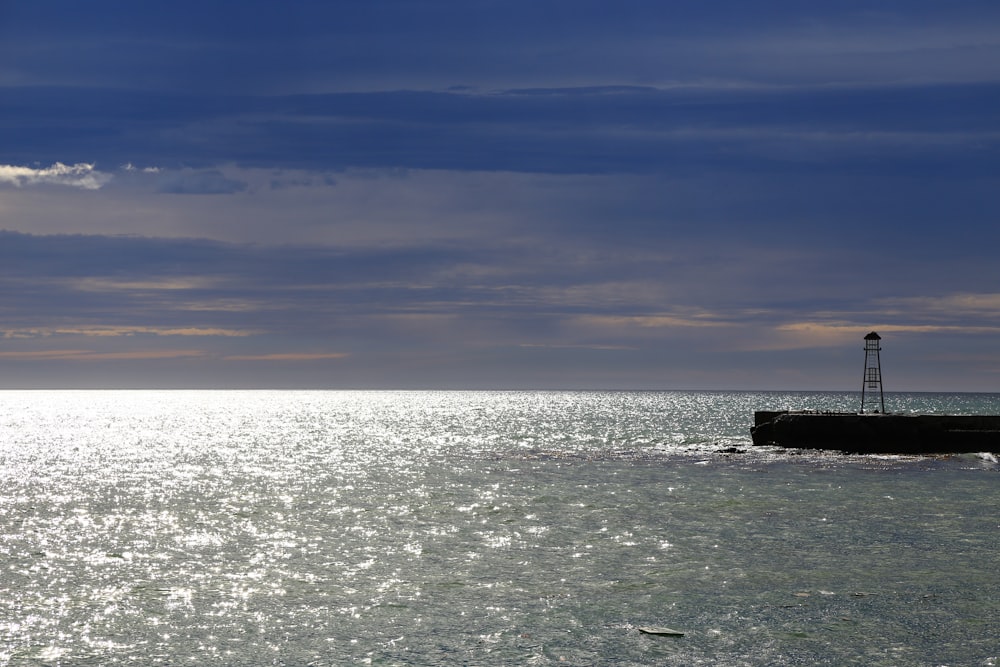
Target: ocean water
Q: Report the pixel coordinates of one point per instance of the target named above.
(482, 528)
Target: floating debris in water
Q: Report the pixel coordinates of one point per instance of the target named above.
(654, 630)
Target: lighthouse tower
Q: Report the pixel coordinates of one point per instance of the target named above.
(873, 371)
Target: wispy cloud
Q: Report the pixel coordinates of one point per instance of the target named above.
(199, 182)
(91, 355)
(953, 305)
(288, 356)
(654, 321)
(836, 334)
(578, 347)
(168, 284)
(114, 331)
(80, 175)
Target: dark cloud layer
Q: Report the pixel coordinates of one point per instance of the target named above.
(593, 130)
(263, 46)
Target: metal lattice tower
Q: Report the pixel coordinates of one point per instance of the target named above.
(873, 369)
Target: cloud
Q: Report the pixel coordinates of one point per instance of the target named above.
(312, 46)
(821, 334)
(557, 129)
(80, 175)
(91, 355)
(950, 306)
(281, 181)
(557, 346)
(288, 356)
(654, 321)
(115, 331)
(199, 182)
(128, 166)
(173, 283)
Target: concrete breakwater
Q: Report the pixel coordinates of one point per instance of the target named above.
(877, 433)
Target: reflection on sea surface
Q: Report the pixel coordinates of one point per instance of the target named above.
(478, 528)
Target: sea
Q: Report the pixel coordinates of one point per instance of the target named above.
(483, 528)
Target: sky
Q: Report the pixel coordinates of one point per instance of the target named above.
(528, 194)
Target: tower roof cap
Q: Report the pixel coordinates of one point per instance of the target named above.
(873, 336)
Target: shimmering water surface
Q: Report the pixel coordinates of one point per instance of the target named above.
(481, 528)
